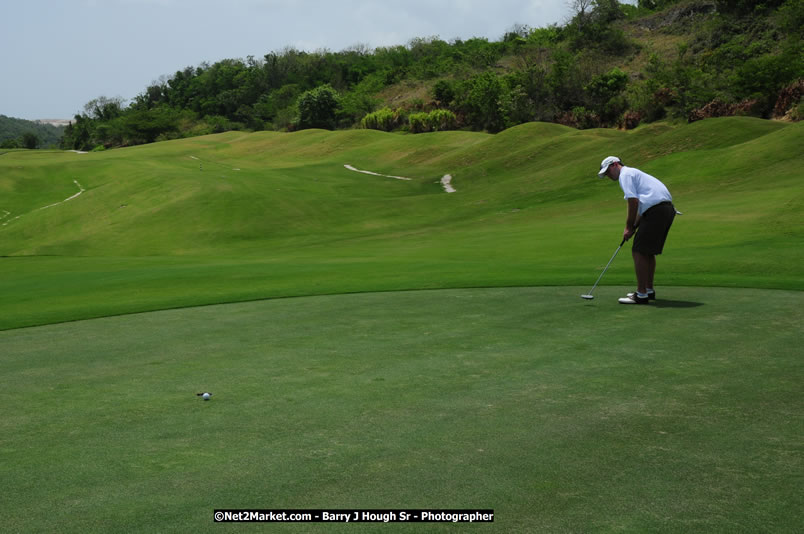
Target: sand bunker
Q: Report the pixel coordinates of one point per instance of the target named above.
(446, 183)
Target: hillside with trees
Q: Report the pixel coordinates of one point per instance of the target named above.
(610, 65)
(20, 133)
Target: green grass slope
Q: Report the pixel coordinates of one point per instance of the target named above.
(240, 216)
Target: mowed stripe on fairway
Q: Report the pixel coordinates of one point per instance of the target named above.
(560, 414)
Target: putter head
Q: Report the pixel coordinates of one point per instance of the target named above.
(587, 297)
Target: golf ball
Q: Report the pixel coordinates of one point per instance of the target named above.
(205, 396)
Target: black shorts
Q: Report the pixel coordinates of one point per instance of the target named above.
(653, 228)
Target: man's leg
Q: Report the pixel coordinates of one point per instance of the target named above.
(643, 265)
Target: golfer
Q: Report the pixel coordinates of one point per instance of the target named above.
(650, 208)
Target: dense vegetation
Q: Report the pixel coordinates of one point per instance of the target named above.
(611, 65)
(19, 133)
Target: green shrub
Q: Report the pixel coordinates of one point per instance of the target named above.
(437, 120)
(585, 118)
(385, 120)
(440, 120)
(419, 122)
(218, 123)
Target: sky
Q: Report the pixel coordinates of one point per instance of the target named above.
(57, 55)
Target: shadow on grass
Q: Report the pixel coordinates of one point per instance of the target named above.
(676, 304)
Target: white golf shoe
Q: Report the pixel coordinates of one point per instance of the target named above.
(633, 298)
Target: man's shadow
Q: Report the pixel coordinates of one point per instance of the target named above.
(662, 303)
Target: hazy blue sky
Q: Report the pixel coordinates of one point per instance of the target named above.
(56, 55)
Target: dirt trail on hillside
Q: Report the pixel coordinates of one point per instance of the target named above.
(8, 213)
(445, 180)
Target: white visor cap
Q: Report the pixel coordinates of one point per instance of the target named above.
(604, 166)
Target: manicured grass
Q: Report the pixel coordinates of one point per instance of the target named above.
(238, 217)
(560, 414)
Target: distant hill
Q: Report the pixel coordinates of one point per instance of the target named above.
(12, 130)
(55, 122)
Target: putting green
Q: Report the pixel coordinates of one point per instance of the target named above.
(563, 415)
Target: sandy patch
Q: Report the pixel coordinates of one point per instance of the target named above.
(446, 183)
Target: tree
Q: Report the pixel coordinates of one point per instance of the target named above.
(605, 91)
(145, 126)
(78, 135)
(30, 140)
(582, 10)
(443, 92)
(483, 100)
(318, 108)
(598, 28)
(531, 95)
(581, 7)
(104, 108)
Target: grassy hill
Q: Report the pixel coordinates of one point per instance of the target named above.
(238, 216)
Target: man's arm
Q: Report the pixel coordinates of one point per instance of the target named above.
(632, 220)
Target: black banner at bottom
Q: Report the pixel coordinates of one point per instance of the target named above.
(354, 516)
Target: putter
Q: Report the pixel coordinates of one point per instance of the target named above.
(590, 296)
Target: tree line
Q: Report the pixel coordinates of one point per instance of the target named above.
(736, 57)
(20, 133)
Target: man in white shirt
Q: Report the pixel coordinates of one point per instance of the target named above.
(650, 208)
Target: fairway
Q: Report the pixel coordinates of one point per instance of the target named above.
(551, 410)
(238, 217)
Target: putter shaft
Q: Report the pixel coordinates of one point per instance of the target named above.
(605, 268)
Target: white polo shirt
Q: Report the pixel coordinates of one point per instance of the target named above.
(644, 187)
